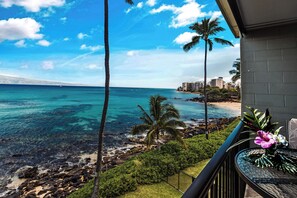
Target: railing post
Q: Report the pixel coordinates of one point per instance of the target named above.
(219, 178)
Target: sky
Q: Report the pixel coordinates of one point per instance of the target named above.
(62, 40)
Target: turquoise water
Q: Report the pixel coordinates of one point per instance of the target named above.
(40, 123)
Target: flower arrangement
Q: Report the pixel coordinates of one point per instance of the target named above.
(263, 133)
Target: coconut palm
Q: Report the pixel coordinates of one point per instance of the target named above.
(95, 192)
(205, 31)
(162, 118)
(236, 71)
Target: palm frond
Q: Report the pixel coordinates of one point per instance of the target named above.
(235, 78)
(205, 25)
(169, 107)
(197, 28)
(145, 120)
(233, 71)
(149, 139)
(174, 123)
(141, 128)
(223, 41)
(169, 115)
(215, 30)
(156, 106)
(176, 134)
(210, 44)
(145, 115)
(212, 24)
(190, 45)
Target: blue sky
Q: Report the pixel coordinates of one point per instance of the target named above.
(62, 40)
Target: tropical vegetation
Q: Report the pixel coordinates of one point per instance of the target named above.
(163, 118)
(152, 166)
(215, 94)
(106, 100)
(236, 71)
(205, 31)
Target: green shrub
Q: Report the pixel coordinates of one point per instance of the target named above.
(152, 166)
(148, 175)
(117, 186)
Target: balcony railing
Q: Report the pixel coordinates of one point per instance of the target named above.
(219, 178)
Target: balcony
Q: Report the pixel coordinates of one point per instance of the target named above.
(219, 178)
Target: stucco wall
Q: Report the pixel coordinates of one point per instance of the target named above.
(269, 72)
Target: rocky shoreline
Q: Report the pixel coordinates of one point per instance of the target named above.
(71, 173)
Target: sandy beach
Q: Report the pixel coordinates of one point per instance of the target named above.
(234, 106)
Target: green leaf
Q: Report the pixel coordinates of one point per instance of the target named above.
(277, 130)
(238, 143)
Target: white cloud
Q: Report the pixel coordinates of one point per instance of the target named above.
(17, 29)
(151, 3)
(183, 66)
(63, 19)
(82, 36)
(132, 53)
(47, 65)
(91, 48)
(66, 39)
(128, 10)
(214, 15)
(184, 15)
(32, 5)
(93, 67)
(184, 38)
(138, 6)
(43, 43)
(50, 11)
(20, 43)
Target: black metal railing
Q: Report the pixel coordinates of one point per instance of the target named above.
(219, 178)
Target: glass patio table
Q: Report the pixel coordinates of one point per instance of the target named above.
(268, 182)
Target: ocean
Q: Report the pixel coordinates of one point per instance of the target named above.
(45, 124)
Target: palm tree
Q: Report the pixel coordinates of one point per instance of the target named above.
(235, 72)
(205, 30)
(162, 118)
(95, 193)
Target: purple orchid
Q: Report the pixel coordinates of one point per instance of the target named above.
(264, 139)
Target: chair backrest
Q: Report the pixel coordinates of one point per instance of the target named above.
(292, 128)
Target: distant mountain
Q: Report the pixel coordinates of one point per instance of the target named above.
(18, 80)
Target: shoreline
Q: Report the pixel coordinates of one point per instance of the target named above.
(234, 106)
(73, 174)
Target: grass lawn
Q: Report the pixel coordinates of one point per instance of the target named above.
(154, 191)
(164, 190)
(195, 170)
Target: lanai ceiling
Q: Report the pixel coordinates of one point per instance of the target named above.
(246, 15)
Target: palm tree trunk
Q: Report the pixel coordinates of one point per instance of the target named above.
(95, 193)
(204, 92)
(158, 143)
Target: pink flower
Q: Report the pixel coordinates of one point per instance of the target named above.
(264, 139)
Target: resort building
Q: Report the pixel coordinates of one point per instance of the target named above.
(198, 85)
(191, 86)
(229, 85)
(219, 82)
(186, 86)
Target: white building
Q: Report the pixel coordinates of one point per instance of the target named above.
(198, 85)
(219, 82)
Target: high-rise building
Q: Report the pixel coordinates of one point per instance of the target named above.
(198, 85)
(186, 86)
(219, 82)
